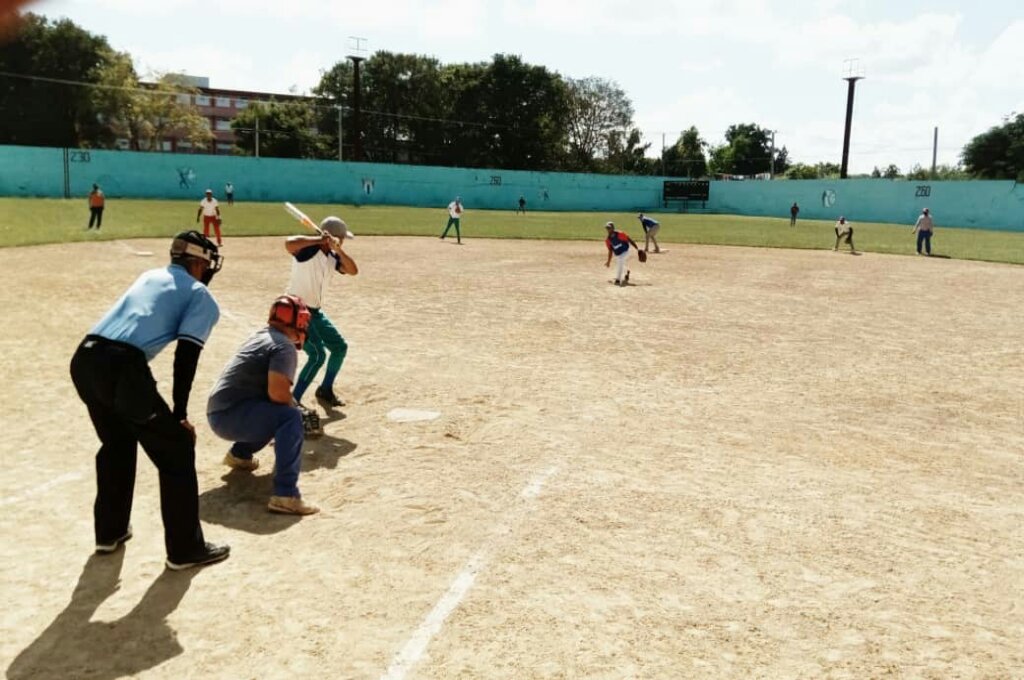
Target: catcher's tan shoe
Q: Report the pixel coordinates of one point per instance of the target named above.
(234, 462)
(291, 505)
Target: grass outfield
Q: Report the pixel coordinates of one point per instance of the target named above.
(33, 221)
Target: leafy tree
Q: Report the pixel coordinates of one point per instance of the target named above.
(891, 172)
(517, 113)
(146, 115)
(45, 112)
(287, 129)
(686, 157)
(747, 151)
(802, 171)
(999, 152)
(876, 173)
(597, 108)
(627, 155)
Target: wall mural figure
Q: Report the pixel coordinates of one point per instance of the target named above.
(186, 178)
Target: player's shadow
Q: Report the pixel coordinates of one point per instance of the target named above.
(75, 646)
(241, 503)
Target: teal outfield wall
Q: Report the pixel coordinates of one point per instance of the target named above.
(32, 171)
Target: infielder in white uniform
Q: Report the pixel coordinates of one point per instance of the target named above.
(313, 258)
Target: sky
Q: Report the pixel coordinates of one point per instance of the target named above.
(951, 64)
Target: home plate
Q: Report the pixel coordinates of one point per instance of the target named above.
(411, 415)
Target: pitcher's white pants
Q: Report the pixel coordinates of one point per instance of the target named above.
(620, 266)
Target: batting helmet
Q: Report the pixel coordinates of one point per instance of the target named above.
(335, 226)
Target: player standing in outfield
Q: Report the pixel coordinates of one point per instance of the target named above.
(454, 218)
(618, 243)
(522, 204)
(96, 203)
(794, 210)
(229, 193)
(924, 228)
(313, 258)
(252, 403)
(843, 229)
(209, 209)
(651, 229)
(111, 373)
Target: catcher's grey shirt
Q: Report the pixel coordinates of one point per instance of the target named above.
(245, 376)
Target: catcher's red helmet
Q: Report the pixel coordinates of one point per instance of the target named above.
(292, 312)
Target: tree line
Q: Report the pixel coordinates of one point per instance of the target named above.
(63, 86)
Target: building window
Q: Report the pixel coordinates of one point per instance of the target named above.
(184, 99)
(165, 145)
(184, 145)
(222, 124)
(224, 148)
(241, 103)
(202, 100)
(223, 102)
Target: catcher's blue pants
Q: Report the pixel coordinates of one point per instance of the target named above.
(251, 424)
(323, 343)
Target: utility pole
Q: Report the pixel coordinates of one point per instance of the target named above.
(257, 135)
(341, 136)
(357, 100)
(935, 150)
(771, 157)
(853, 74)
(662, 154)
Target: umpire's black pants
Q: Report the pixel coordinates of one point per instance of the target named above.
(114, 381)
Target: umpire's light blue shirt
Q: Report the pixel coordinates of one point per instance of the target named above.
(162, 305)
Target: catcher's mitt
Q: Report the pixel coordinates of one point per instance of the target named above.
(642, 254)
(311, 423)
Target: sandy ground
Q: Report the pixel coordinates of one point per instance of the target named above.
(750, 464)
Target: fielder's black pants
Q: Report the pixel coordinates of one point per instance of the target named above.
(114, 381)
(96, 215)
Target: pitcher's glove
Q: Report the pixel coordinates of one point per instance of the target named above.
(310, 423)
(642, 254)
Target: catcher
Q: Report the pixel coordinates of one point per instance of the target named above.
(252, 402)
(844, 230)
(618, 243)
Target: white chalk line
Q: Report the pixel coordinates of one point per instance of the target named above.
(46, 486)
(410, 654)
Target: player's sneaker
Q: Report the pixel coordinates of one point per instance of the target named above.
(112, 546)
(626, 280)
(236, 463)
(328, 398)
(291, 505)
(311, 427)
(210, 554)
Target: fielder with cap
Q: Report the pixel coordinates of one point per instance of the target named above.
(210, 211)
(313, 258)
(924, 228)
(651, 229)
(454, 219)
(844, 231)
(252, 403)
(111, 373)
(618, 243)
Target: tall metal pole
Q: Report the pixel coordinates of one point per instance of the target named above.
(341, 136)
(771, 156)
(257, 135)
(935, 150)
(662, 154)
(852, 80)
(357, 105)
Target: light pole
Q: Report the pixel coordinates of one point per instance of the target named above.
(853, 74)
(771, 157)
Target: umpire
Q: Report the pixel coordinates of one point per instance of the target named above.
(111, 373)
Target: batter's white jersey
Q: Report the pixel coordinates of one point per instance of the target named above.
(310, 268)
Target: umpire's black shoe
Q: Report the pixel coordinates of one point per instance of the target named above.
(112, 546)
(211, 554)
(328, 398)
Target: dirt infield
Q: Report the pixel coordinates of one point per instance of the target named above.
(752, 463)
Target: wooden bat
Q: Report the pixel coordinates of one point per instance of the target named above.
(301, 217)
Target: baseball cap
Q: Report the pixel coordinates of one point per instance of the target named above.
(609, 225)
(335, 226)
(209, 191)
(926, 211)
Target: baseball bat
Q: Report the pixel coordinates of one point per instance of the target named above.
(301, 217)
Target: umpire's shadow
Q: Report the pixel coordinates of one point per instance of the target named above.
(241, 503)
(75, 646)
